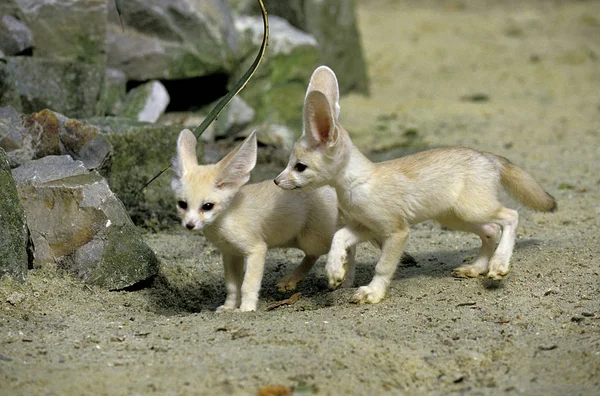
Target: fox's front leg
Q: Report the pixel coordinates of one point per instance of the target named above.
(234, 270)
(391, 253)
(337, 259)
(255, 265)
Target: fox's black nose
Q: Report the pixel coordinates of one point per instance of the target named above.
(189, 226)
(275, 181)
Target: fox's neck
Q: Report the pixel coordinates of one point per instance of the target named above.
(355, 170)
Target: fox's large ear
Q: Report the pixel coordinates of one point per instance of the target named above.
(319, 121)
(235, 168)
(186, 153)
(323, 79)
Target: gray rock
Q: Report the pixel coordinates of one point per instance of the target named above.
(9, 95)
(141, 151)
(279, 136)
(279, 84)
(70, 30)
(146, 102)
(68, 87)
(171, 39)
(15, 298)
(52, 167)
(78, 224)
(235, 116)
(13, 230)
(11, 7)
(50, 133)
(14, 137)
(15, 36)
(333, 24)
(113, 95)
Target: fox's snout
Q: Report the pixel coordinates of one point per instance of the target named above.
(192, 223)
(284, 181)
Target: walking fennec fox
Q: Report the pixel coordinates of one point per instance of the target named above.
(456, 186)
(243, 221)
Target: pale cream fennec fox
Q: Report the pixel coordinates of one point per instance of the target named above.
(243, 221)
(456, 186)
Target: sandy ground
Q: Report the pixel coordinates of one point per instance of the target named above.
(521, 79)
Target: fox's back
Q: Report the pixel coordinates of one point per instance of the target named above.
(429, 183)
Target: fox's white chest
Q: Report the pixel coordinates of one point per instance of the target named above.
(356, 205)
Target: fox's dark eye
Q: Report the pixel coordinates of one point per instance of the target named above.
(182, 205)
(300, 167)
(207, 206)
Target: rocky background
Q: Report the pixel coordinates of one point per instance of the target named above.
(90, 110)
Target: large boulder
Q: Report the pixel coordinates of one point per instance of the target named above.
(278, 87)
(33, 84)
(13, 230)
(15, 36)
(114, 92)
(71, 30)
(141, 150)
(333, 24)
(68, 43)
(50, 133)
(78, 224)
(15, 138)
(171, 39)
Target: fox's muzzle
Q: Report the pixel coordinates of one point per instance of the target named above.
(283, 182)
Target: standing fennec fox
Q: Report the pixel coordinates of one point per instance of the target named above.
(456, 186)
(243, 221)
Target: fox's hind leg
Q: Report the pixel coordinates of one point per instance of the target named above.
(479, 266)
(289, 282)
(499, 266)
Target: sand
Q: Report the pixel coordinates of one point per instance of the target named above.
(521, 79)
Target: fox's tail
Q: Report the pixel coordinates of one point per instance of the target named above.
(523, 187)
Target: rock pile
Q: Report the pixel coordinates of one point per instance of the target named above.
(85, 117)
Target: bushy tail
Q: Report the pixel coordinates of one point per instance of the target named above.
(523, 187)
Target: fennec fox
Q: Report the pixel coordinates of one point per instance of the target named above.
(456, 186)
(242, 221)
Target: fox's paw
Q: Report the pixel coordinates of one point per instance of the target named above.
(287, 284)
(368, 295)
(225, 308)
(335, 275)
(247, 307)
(336, 269)
(498, 274)
(498, 270)
(468, 271)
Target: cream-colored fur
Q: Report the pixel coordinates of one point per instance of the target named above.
(243, 221)
(456, 186)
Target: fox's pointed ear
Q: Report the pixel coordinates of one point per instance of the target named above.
(323, 79)
(319, 121)
(186, 153)
(235, 168)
